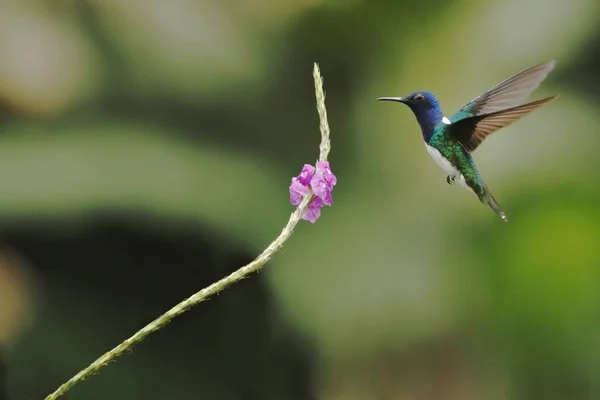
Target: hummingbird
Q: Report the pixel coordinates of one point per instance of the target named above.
(451, 141)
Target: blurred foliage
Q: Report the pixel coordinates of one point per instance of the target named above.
(146, 149)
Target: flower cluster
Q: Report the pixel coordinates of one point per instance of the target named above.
(321, 180)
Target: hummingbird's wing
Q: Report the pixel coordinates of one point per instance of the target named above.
(512, 92)
(471, 132)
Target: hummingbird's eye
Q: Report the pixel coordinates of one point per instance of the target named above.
(419, 97)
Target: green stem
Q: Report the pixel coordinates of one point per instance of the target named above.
(224, 283)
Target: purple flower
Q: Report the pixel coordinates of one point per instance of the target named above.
(314, 211)
(306, 174)
(329, 177)
(297, 191)
(321, 180)
(321, 188)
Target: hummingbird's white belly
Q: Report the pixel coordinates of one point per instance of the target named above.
(446, 166)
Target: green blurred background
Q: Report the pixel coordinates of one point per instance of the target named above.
(146, 147)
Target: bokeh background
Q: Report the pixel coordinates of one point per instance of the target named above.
(146, 148)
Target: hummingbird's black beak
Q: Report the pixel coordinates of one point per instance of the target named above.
(398, 99)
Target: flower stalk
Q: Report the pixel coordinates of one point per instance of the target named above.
(243, 272)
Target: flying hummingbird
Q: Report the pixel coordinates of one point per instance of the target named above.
(450, 141)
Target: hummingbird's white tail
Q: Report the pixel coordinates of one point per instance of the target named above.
(491, 201)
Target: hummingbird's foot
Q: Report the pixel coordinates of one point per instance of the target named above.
(450, 179)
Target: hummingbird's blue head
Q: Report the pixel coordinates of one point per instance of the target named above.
(426, 108)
